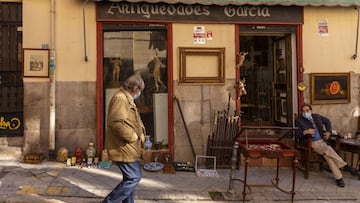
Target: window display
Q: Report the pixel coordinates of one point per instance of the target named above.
(142, 49)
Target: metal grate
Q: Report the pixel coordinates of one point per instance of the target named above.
(11, 83)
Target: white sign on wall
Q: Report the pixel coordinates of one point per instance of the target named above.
(323, 27)
(199, 34)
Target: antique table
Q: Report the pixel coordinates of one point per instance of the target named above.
(349, 145)
(272, 149)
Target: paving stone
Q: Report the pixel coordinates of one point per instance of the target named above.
(54, 182)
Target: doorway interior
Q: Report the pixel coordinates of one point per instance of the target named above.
(269, 70)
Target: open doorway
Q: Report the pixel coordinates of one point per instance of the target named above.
(268, 69)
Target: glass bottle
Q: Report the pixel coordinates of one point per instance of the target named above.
(91, 151)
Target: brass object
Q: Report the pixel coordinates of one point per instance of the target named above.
(62, 155)
(301, 86)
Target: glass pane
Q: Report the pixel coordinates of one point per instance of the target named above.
(257, 69)
(130, 49)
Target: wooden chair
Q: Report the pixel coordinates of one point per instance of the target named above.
(307, 156)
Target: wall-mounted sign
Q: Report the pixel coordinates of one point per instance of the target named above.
(126, 11)
(209, 35)
(11, 124)
(323, 28)
(199, 34)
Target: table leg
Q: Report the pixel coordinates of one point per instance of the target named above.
(246, 162)
(295, 162)
(277, 171)
(358, 163)
(337, 144)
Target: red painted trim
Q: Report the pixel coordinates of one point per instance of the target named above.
(170, 55)
(300, 66)
(204, 22)
(99, 90)
(237, 70)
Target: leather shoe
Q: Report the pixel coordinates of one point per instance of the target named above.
(351, 170)
(340, 182)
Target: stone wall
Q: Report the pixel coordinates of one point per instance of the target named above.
(75, 114)
(199, 104)
(36, 117)
(344, 117)
(75, 119)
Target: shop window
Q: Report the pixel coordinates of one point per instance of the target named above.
(142, 49)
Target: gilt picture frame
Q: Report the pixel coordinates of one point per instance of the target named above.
(330, 88)
(201, 65)
(35, 63)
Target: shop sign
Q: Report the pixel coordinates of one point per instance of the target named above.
(11, 124)
(200, 13)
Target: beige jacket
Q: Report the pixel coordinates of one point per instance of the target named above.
(125, 133)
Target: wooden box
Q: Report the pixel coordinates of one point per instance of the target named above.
(33, 158)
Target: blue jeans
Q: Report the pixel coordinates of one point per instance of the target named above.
(124, 191)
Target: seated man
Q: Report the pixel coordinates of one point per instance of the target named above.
(320, 128)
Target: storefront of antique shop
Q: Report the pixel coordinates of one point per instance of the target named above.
(64, 59)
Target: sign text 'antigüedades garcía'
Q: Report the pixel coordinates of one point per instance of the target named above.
(184, 12)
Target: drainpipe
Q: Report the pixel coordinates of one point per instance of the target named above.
(52, 63)
(357, 34)
(84, 30)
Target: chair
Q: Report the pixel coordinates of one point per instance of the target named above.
(307, 156)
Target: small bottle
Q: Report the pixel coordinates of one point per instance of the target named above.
(104, 155)
(90, 153)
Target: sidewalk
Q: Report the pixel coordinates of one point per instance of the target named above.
(54, 182)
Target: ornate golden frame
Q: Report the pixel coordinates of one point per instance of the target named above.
(201, 65)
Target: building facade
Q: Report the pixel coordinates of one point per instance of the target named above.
(192, 56)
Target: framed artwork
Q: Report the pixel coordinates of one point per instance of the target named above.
(201, 65)
(330, 88)
(36, 63)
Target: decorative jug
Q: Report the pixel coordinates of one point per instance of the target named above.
(147, 143)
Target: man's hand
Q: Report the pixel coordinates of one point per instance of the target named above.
(327, 135)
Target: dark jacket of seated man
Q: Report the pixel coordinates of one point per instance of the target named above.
(319, 127)
(322, 123)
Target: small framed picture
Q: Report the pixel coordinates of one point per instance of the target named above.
(36, 63)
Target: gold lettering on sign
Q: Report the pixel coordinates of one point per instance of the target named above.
(244, 11)
(12, 124)
(149, 10)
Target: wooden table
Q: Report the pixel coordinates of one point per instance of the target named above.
(272, 149)
(349, 145)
